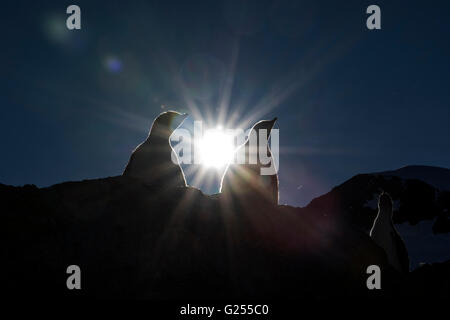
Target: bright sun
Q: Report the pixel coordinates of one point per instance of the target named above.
(216, 148)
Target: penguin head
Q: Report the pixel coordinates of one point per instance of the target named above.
(266, 125)
(385, 202)
(164, 125)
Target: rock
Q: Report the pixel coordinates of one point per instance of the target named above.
(132, 241)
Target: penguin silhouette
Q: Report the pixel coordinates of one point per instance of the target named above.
(151, 161)
(385, 235)
(245, 181)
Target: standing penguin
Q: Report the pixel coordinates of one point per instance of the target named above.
(385, 235)
(151, 161)
(246, 181)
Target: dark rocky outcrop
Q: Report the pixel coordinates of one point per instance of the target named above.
(415, 199)
(132, 241)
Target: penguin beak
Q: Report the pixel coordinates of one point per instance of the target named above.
(180, 118)
(270, 125)
(183, 116)
(273, 122)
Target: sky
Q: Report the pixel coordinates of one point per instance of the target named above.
(75, 103)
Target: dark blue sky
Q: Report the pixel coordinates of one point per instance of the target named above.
(73, 104)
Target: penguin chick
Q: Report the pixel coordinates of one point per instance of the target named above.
(384, 234)
(246, 180)
(151, 161)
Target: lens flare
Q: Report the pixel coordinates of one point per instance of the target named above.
(113, 64)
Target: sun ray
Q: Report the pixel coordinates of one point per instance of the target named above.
(225, 99)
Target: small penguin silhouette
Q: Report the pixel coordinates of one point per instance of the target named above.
(385, 235)
(245, 181)
(151, 161)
